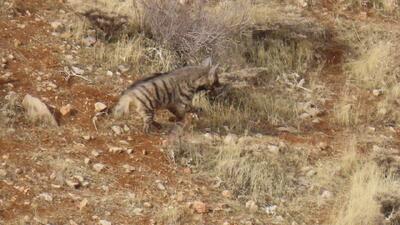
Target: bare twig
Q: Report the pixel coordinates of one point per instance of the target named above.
(70, 74)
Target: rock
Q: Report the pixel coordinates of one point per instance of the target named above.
(99, 107)
(109, 73)
(77, 71)
(57, 26)
(311, 173)
(83, 203)
(11, 57)
(160, 185)
(137, 211)
(87, 137)
(66, 109)
(252, 206)
(115, 149)
(231, 139)
(199, 207)
(271, 210)
(46, 196)
(227, 194)
(377, 92)
(187, 170)
(273, 149)
(104, 222)
(73, 183)
(323, 145)
(98, 167)
(86, 161)
(36, 111)
(304, 116)
(126, 128)
(147, 205)
(128, 168)
(123, 68)
(117, 129)
(326, 194)
(371, 129)
(3, 173)
(89, 41)
(95, 153)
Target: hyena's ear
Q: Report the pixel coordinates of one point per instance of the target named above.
(207, 62)
(212, 74)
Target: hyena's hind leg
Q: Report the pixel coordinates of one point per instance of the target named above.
(179, 112)
(148, 119)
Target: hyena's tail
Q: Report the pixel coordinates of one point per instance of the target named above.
(122, 107)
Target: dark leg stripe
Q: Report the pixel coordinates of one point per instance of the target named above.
(157, 91)
(148, 95)
(143, 103)
(148, 99)
(182, 93)
(167, 91)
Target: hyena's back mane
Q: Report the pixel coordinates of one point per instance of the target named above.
(146, 79)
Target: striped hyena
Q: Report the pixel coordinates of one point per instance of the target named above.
(173, 91)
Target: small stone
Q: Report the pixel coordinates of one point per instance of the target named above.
(377, 92)
(87, 137)
(199, 207)
(109, 73)
(123, 68)
(104, 222)
(77, 70)
(98, 167)
(83, 203)
(326, 194)
(273, 149)
(129, 151)
(87, 161)
(46, 196)
(323, 145)
(71, 222)
(271, 210)
(144, 152)
(115, 149)
(117, 129)
(18, 171)
(73, 183)
(11, 57)
(311, 173)
(304, 116)
(95, 153)
(147, 205)
(3, 173)
(66, 109)
(89, 41)
(57, 26)
(187, 170)
(252, 206)
(160, 185)
(363, 15)
(126, 128)
(137, 211)
(128, 168)
(99, 106)
(371, 129)
(227, 194)
(231, 139)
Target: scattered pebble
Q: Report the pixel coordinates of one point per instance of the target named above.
(66, 109)
(98, 167)
(104, 222)
(117, 129)
(138, 211)
(115, 149)
(77, 71)
(147, 205)
(83, 203)
(73, 183)
(95, 153)
(46, 196)
(199, 207)
(377, 92)
(273, 149)
(128, 168)
(160, 185)
(86, 161)
(326, 194)
(109, 73)
(99, 106)
(3, 173)
(252, 206)
(271, 210)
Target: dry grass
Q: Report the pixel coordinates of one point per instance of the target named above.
(241, 110)
(387, 6)
(361, 206)
(174, 215)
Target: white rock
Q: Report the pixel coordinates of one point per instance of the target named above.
(77, 71)
(147, 205)
(99, 106)
(109, 73)
(117, 129)
(231, 139)
(86, 160)
(326, 194)
(66, 109)
(89, 41)
(252, 206)
(104, 222)
(123, 68)
(273, 149)
(311, 173)
(72, 183)
(57, 26)
(160, 185)
(126, 128)
(128, 168)
(46, 196)
(98, 167)
(115, 149)
(377, 92)
(95, 153)
(137, 211)
(271, 210)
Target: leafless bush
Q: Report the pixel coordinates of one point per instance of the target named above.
(192, 31)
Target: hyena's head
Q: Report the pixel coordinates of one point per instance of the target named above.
(209, 80)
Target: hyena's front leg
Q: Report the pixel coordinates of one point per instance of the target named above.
(148, 119)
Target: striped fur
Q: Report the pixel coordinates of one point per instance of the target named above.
(173, 91)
